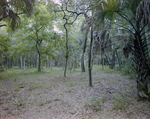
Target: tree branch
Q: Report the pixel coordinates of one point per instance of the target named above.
(3, 25)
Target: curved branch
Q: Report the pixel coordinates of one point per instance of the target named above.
(3, 25)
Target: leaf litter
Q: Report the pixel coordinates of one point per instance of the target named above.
(112, 96)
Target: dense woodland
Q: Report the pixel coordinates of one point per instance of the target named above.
(77, 34)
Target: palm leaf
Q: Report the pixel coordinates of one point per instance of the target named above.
(6, 12)
(106, 9)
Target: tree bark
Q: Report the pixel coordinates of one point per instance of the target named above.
(51, 64)
(141, 59)
(84, 48)
(21, 63)
(25, 62)
(90, 55)
(39, 63)
(66, 57)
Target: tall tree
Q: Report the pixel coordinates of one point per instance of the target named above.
(71, 10)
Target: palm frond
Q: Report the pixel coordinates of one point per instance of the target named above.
(143, 12)
(9, 14)
(105, 9)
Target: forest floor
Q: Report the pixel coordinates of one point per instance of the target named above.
(48, 95)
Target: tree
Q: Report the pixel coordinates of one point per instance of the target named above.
(34, 36)
(71, 10)
(85, 26)
(136, 14)
(40, 26)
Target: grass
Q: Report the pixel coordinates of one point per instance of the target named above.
(71, 83)
(71, 95)
(21, 101)
(118, 103)
(16, 88)
(40, 102)
(94, 103)
(16, 71)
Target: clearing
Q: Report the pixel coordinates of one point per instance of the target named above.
(48, 95)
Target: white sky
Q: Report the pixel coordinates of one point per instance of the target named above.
(57, 1)
(56, 29)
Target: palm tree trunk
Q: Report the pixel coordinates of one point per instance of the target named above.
(141, 67)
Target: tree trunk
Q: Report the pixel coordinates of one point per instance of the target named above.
(51, 64)
(90, 55)
(7, 62)
(142, 69)
(113, 60)
(84, 48)
(82, 63)
(39, 63)
(42, 65)
(119, 62)
(141, 59)
(21, 63)
(102, 63)
(108, 60)
(66, 50)
(25, 62)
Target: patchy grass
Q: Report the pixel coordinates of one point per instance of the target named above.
(118, 103)
(16, 88)
(71, 83)
(47, 94)
(94, 103)
(20, 101)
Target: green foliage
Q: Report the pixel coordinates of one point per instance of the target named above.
(127, 69)
(105, 9)
(4, 43)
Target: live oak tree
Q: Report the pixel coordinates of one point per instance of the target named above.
(10, 12)
(70, 10)
(40, 28)
(35, 33)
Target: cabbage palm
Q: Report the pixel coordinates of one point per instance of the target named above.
(136, 13)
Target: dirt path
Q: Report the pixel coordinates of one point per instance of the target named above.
(50, 96)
